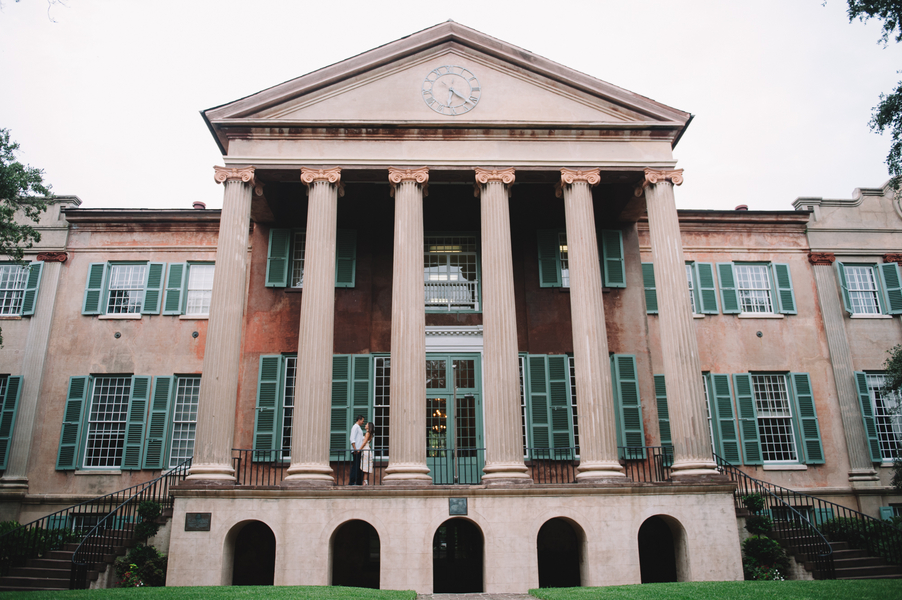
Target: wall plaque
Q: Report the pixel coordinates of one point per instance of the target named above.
(457, 506)
(197, 521)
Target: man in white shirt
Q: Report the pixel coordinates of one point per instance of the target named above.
(356, 443)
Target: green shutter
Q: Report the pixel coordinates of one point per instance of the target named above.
(155, 452)
(267, 440)
(663, 412)
(807, 413)
(748, 418)
(728, 445)
(549, 257)
(892, 287)
(32, 284)
(345, 258)
(9, 405)
(134, 426)
(560, 415)
(843, 286)
(867, 415)
(627, 403)
(540, 430)
(612, 255)
(70, 434)
(886, 513)
(175, 288)
(340, 419)
(278, 257)
(707, 288)
(93, 300)
(785, 296)
(729, 298)
(153, 288)
(361, 391)
(651, 294)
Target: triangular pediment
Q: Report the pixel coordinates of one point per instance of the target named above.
(391, 85)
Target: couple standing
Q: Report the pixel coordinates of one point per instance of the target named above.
(361, 454)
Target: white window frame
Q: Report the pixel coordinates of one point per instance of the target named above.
(289, 389)
(298, 255)
(887, 420)
(564, 258)
(13, 279)
(750, 295)
(199, 289)
(450, 291)
(382, 404)
(128, 286)
(105, 425)
(184, 420)
(690, 277)
(860, 296)
(770, 390)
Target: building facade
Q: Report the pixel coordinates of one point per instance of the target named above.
(478, 251)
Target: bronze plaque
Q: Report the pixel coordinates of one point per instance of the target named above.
(197, 521)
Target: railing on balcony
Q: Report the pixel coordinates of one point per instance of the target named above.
(452, 295)
(460, 466)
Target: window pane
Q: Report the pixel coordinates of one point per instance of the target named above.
(12, 288)
(106, 421)
(862, 290)
(126, 289)
(381, 406)
(774, 418)
(450, 272)
(297, 260)
(200, 289)
(184, 420)
(753, 286)
(691, 294)
(291, 371)
(573, 404)
(565, 260)
(886, 417)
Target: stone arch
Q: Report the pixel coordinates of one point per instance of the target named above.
(458, 557)
(663, 554)
(249, 554)
(355, 555)
(560, 552)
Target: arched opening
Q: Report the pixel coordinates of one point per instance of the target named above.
(662, 550)
(254, 555)
(355, 555)
(558, 547)
(457, 550)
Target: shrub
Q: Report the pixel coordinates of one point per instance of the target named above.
(149, 513)
(754, 502)
(764, 559)
(756, 572)
(758, 524)
(142, 566)
(873, 536)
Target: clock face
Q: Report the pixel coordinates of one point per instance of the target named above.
(451, 90)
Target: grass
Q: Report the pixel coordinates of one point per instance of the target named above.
(217, 593)
(884, 589)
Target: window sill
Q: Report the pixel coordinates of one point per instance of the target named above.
(194, 317)
(10, 317)
(864, 316)
(760, 316)
(697, 316)
(886, 465)
(785, 467)
(97, 472)
(127, 316)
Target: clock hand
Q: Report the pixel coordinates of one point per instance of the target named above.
(455, 92)
(450, 95)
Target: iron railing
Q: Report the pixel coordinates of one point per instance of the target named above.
(115, 520)
(798, 519)
(452, 294)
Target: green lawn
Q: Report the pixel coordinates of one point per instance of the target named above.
(886, 589)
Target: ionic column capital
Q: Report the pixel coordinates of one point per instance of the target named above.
(331, 176)
(592, 177)
(486, 176)
(896, 258)
(223, 174)
(821, 258)
(52, 257)
(419, 176)
(653, 176)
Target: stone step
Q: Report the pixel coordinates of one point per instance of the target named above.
(38, 572)
(50, 563)
(36, 582)
(868, 572)
(898, 576)
(864, 561)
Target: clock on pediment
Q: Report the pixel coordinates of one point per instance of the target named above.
(451, 90)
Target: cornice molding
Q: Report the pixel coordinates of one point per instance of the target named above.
(223, 174)
(655, 176)
(419, 176)
(821, 258)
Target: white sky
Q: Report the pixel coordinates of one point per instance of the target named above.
(106, 98)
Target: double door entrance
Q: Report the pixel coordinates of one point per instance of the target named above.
(455, 446)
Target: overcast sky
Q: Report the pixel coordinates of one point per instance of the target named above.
(105, 96)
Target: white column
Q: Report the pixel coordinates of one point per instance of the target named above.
(501, 381)
(313, 398)
(679, 344)
(407, 446)
(15, 477)
(594, 395)
(222, 353)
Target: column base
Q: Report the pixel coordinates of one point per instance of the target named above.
(409, 474)
(601, 472)
(309, 475)
(694, 467)
(506, 474)
(211, 472)
(855, 476)
(13, 484)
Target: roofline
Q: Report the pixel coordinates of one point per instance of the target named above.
(141, 215)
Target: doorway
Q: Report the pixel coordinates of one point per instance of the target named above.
(455, 449)
(355, 555)
(457, 549)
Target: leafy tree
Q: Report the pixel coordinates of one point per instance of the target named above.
(887, 115)
(22, 193)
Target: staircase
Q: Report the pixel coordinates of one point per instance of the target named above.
(70, 548)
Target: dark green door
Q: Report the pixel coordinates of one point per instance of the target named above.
(455, 451)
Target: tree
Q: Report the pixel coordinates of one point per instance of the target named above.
(887, 115)
(23, 194)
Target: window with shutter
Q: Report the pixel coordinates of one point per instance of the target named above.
(10, 391)
(631, 432)
(287, 253)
